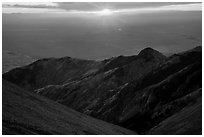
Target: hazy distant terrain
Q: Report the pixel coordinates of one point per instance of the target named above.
(95, 37)
(11, 60)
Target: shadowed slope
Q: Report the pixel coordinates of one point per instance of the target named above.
(51, 71)
(186, 122)
(58, 71)
(160, 94)
(28, 113)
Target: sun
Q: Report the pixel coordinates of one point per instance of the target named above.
(105, 12)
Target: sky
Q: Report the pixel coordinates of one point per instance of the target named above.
(100, 30)
(90, 7)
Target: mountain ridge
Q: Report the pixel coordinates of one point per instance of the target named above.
(130, 91)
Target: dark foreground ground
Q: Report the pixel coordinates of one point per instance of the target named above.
(28, 113)
(188, 121)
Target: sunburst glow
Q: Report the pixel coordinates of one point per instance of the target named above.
(105, 12)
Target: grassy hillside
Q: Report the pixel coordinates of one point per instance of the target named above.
(28, 113)
(188, 121)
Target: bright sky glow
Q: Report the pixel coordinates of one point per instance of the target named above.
(49, 7)
(185, 7)
(105, 12)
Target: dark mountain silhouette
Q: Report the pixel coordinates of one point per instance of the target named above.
(137, 92)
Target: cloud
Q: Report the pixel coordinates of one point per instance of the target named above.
(183, 7)
(29, 5)
(93, 7)
(33, 10)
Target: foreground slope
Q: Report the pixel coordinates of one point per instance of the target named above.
(28, 113)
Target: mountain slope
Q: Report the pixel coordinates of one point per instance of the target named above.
(84, 85)
(28, 113)
(50, 71)
(137, 92)
(160, 94)
(186, 122)
(53, 71)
